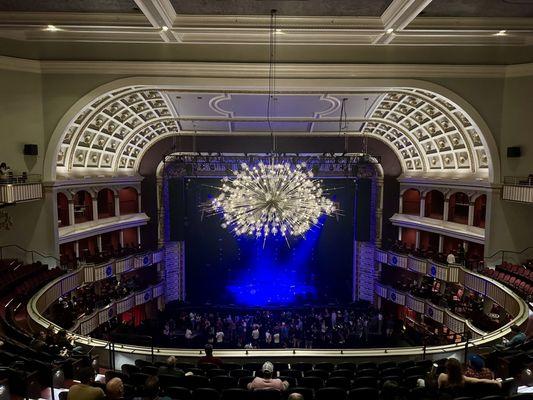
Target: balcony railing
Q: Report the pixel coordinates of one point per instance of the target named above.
(518, 188)
(14, 189)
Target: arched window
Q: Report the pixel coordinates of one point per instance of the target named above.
(434, 204)
(411, 202)
(62, 210)
(83, 207)
(458, 208)
(106, 203)
(480, 209)
(129, 202)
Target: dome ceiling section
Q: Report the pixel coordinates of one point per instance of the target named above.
(427, 131)
(447, 136)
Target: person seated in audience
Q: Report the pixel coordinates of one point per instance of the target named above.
(454, 378)
(295, 396)
(170, 367)
(84, 390)
(152, 389)
(267, 381)
(518, 338)
(475, 368)
(114, 389)
(209, 358)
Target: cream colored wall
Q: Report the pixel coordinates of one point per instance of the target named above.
(39, 102)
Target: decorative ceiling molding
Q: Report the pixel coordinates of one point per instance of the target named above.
(428, 132)
(399, 25)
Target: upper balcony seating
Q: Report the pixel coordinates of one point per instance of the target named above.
(518, 277)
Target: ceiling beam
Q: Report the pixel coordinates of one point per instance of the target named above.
(397, 16)
(161, 15)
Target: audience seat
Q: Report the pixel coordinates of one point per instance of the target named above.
(205, 393)
(266, 395)
(339, 382)
(235, 394)
(322, 374)
(365, 393)
(222, 382)
(365, 381)
(331, 393)
(216, 372)
(302, 366)
(178, 393)
(195, 381)
(245, 380)
(345, 373)
(325, 366)
(239, 373)
(313, 382)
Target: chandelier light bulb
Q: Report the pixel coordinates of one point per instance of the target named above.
(271, 199)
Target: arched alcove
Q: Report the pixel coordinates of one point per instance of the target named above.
(106, 203)
(83, 207)
(434, 204)
(411, 202)
(480, 210)
(458, 205)
(63, 218)
(129, 201)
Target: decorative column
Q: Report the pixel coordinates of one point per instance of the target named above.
(471, 206)
(121, 238)
(417, 239)
(400, 205)
(446, 210)
(77, 249)
(422, 205)
(99, 242)
(441, 243)
(95, 208)
(139, 235)
(139, 208)
(71, 216)
(379, 209)
(116, 198)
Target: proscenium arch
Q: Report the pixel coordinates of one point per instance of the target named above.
(286, 85)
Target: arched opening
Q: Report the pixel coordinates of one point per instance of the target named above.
(411, 202)
(83, 207)
(106, 203)
(88, 248)
(67, 254)
(480, 207)
(129, 201)
(62, 210)
(429, 243)
(458, 208)
(409, 238)
(130, 238)
(434, 204)
(110, 242)
(452, 245)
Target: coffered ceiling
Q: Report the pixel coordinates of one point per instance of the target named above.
(300, 22)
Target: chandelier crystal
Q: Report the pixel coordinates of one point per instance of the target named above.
(271, 199)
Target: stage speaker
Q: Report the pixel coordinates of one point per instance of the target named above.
(178, 207)
(513, 152)
(31, 150)
(363, 197)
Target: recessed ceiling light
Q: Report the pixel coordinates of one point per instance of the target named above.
(501, 33)
(51, 28)
(279, 32)
(164, 28)
(390, 30)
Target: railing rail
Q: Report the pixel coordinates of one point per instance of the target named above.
(518, 180)
(28, 256)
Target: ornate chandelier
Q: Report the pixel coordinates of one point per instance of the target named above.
(272, 199)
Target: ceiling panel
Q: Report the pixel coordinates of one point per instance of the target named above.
(479, 8)
(285, 7)
(114, 6)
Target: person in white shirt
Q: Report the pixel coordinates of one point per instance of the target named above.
(268, 338)
(451, 258)
(219, 336)
(267, 382)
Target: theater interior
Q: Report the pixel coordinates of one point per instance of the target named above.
(252, 199)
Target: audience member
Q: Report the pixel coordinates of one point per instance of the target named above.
(114, 389)
(475, 368)
(209, 358)
(267, 381)
(295, 396)
(152, 389)
(84, 390)
(454, 378)
(170, 367)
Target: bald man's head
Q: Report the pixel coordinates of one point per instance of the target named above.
(295, 396)
(115, 389)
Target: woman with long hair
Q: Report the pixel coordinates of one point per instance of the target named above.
(454, 377)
